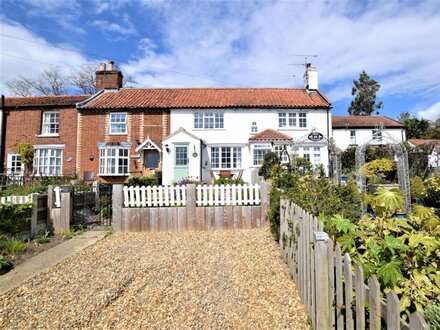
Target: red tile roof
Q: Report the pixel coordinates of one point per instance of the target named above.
(418, 142)
(364, 121)
(270, 135)
(129, 98)
(32, 101)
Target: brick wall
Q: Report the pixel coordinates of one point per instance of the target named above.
(24, 126)
(94, 129)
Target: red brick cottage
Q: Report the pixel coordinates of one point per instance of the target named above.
(49, 123)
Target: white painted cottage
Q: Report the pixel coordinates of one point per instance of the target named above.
(227, 131)
(356, 130)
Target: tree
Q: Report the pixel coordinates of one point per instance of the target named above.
(84, 79)
(415, 128)
(365, 90)
(54, 81)
(434, 129)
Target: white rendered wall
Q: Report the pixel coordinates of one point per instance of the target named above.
(237, 131)
(343, 141)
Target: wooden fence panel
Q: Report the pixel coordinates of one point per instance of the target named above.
(374, 302)
(340, 307)
(305, 262)
(360, 296)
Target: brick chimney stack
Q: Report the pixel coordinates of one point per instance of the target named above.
(108, 79)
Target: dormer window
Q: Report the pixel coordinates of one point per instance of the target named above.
(118, 123)
(50, 123)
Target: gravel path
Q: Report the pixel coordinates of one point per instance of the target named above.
(229, 279)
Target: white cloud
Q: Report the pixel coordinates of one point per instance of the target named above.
(110, 28)
(29, 59)
(431, 113)
(251, 44)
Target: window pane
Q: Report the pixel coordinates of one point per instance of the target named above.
(50, 123)
(118, 123)
(282, 121)
(181, 156)
(292, 119)
(302, 119)
(215, 157)
(226, 157)
(219, 120)
(198, 120)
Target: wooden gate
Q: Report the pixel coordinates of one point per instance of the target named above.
(92, 206)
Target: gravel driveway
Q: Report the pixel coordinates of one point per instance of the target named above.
(229, 279)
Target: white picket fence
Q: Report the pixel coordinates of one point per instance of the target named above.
(206, 195)
(16, 199)
(215, 195)
(152, 196)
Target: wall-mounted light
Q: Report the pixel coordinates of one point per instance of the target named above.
(91, 158)
(167, 148)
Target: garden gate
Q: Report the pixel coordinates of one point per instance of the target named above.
(92, 206)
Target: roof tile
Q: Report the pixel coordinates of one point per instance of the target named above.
(270, 135)
(364, 121)
(129, 98)
(32, 101)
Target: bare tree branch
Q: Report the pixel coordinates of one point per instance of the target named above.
(20, 87)
(84, 78)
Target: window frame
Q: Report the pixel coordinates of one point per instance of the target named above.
(226, 155)
(44, 161)
(281, 151)
(204, 120)
(352, 137)
(11, 165)
(46, 124)
(256, 148)
(105, 165)
(292, 120)
(112, 130)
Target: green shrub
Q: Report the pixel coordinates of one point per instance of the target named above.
(432, 316)
(418, 189)
(5, 265)
(69, 233)
(151, 180)
(13, 246)
(384, 166)
(41, 237)
(226, 181)
(433, 189)
(14, 216)
(270, 159)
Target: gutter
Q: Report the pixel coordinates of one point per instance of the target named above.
(2, 134)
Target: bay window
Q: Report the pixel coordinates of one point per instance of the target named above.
(259, 151)
(226, 157)
(47, 160)
(113, 161)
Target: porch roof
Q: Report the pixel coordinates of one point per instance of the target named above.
(270, 135)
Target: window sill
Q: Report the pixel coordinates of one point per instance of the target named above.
(113, 134)
(292, 129)
(114, 174)
(49, 135)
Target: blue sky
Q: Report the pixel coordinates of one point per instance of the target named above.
(162, 43)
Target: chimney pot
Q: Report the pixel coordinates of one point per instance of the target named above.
(110, 65)
(102, 67)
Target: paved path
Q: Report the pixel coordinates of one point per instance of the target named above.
(193, 280)
(48, 258)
